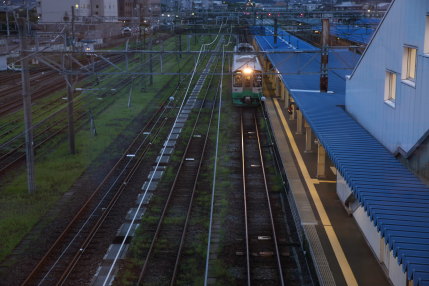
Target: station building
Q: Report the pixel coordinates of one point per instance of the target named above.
(373, 112)
(391, 101)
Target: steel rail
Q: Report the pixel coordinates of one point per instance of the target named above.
(267, 193)
(246, 209)
(151, 177)
(171, 193)
(246, 223)
(182, 239)
(96, 226)
(21, 155)
(86, 204)
(213, 187)
(71, 265)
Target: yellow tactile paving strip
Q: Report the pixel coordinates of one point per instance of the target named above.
(333, 239)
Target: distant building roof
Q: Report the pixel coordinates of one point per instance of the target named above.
(352, 33)
(368, 21)
(301, 70)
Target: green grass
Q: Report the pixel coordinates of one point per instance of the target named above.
(56, 170)
(140, 242)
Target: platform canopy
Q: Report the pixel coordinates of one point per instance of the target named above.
(396, 201)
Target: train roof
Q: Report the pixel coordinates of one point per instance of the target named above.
(242, 61)
(244, 47)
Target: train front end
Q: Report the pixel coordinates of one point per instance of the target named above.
(247, 87)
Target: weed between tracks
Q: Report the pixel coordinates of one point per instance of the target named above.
(190, 272)
(192, 265)
(56, 170)
(273, 174)
(191, 269)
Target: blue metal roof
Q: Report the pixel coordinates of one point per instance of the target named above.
(285, 40)
(353, 33)
(396, 201)
(303, 69)
(368, 21)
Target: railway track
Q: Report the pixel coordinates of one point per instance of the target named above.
(14, 101)
(263, 253)
(13, 151)
(62, 257)
(163, 256)
(57, 124)
(42, 84)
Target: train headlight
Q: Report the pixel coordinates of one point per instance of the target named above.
(248, 70)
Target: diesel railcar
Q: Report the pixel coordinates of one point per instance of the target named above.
(246, 76)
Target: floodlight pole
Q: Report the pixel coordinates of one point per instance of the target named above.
(26, 97)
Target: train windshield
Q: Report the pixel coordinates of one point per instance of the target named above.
(247, 80)
(238, 79)
(257, 80)
(245, 49)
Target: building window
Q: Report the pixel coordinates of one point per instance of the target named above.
(390, 88)
(409, 64)
(426, 48)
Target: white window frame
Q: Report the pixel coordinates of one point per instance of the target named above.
(409, 65)
(390, 88)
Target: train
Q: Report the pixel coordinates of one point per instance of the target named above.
(246, 76)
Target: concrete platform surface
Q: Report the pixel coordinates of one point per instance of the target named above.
(365, 268)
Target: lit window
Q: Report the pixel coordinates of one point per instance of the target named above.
(409, 64)
(427, 36)
(390, 87)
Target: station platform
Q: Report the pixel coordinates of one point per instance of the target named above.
(339, 250)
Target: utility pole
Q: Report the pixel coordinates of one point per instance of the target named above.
(70, 90)
(150, 63)
(180, 44)
(254, 16)
(7, 24)
(26, 97)
(28, 17)
(275, 30)
(324, 55)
